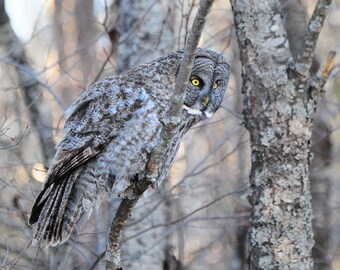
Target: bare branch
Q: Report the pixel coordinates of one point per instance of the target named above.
(188, 57)
(33, 80)
(171, 125)
(15, 141)
(326, 70)
(316, 83)
(186, 217)
(305, 56)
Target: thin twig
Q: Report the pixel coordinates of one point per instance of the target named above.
(15, 141)
(31, 92)
(185, 217)
(316, 83)
(179, 221)
(34, 79)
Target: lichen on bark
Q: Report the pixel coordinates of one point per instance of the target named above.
(279, 104)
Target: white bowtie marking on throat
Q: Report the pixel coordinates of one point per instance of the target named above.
(208, 114)
(192, 111)
(197, 112)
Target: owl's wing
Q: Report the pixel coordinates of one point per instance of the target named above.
(96, 118)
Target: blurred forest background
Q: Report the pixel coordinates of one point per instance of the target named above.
(54, 49)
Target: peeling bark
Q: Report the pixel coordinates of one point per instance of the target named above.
(279, 105)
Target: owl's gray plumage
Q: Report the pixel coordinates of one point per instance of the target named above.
(111, 131)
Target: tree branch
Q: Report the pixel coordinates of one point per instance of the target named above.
(171, 124)
(188, 57)
(305, 56)
(34, 79)
(317, 82)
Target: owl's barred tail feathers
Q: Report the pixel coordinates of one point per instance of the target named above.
(56, 211)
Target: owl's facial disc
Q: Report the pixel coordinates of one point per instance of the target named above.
(198, 96)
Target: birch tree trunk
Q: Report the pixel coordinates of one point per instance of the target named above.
(280, 99)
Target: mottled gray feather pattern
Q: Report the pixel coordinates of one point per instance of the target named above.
(110, 132)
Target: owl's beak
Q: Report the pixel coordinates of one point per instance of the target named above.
(206, 100)
(209, 102)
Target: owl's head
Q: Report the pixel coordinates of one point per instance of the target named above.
(207, 83)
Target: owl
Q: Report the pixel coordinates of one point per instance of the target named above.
(110, 132)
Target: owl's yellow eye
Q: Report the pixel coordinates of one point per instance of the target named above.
(195, 82)
(215, 85)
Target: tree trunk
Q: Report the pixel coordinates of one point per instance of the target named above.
(321, 187)
(295, 25)
(147, 31)
(85, 23)
(279, 104)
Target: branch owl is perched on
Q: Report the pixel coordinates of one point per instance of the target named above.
(110, 132)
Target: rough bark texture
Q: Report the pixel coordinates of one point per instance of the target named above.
(279, 105)
(295, 13)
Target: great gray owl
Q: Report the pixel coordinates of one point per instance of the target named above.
(110, 132)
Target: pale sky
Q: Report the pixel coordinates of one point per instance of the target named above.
(24, 14)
